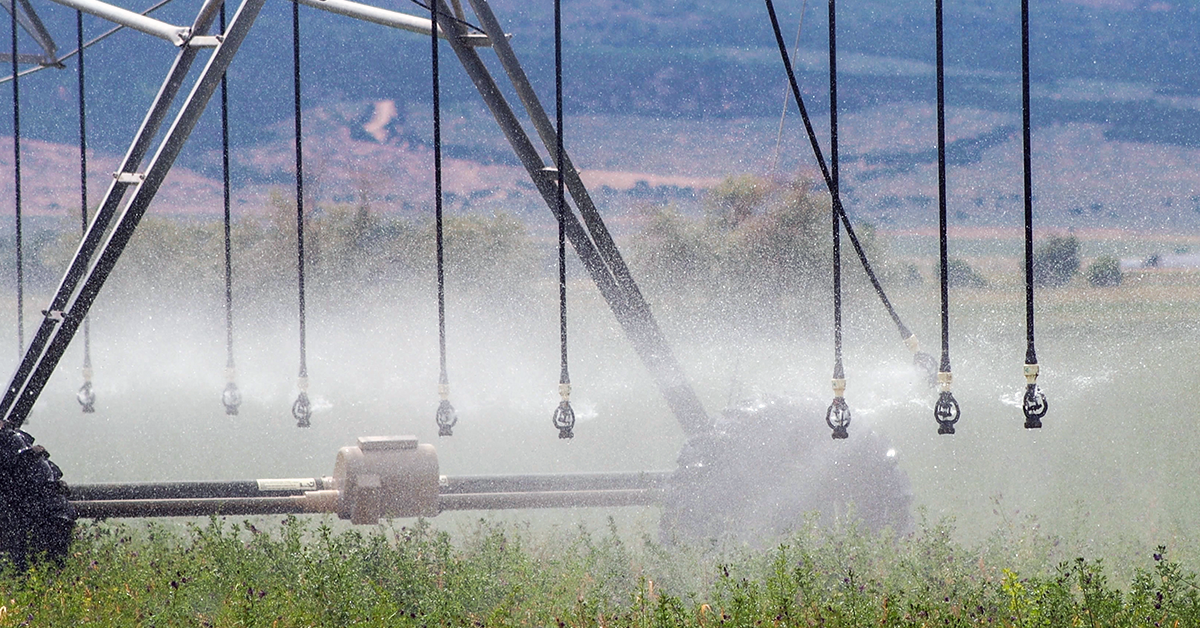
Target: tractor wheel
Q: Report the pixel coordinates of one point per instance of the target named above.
(36, 520)
(762, 471)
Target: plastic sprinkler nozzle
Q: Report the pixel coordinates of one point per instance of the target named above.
(946, 412)
(302, 408)
(86, 397)
(564, 416)
(447, 418)
(837, 417)
(1034, 404)
(231, 397)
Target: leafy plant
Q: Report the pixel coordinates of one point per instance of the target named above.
(959, 274)
(1056, 261)
(1105, 272)
(305, 572)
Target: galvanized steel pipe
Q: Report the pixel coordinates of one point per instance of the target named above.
(177, 35)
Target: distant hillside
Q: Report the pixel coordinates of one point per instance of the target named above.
(692, 90)
(683, 58)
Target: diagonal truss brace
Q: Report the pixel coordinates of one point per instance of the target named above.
(98, 252)
(28, 19)
(591, 239)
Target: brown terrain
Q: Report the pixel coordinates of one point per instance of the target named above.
(1081, 178)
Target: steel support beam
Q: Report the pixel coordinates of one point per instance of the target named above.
(177, 35)
(317, 495)
(29, 20)
(100, 248)
(384, 17)
(448, 485)
(591, 240)
(69, 305)
(245, 506)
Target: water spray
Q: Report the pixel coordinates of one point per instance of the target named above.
(231, 397)
(564, 415)
(86, 396)
(302, 408)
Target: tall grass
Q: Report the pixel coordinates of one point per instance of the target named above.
(304, 573)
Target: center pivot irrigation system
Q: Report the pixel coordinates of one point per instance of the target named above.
(397, 476)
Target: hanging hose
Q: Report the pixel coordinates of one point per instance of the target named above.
(564, 416)
(446, 417)
(921, 360)
(838, 415)
(16, 95)
(301, 409)
(231, 397)
(946, 411)
(86, 395)
(1034, 405)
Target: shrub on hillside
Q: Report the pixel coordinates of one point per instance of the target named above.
(760, 250)
(352, 253)
(959, 274)
(1056, 261)
(1105, 272)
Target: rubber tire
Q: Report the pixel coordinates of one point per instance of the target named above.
(36, 519)
(763, 471)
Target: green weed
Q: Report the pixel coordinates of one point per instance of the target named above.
(302, 572)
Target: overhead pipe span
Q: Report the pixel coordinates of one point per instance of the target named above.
(177, 35)
(380, 477)
(384, 17)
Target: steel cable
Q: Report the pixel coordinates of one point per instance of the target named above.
(787, 96)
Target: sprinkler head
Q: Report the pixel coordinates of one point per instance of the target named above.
(564, 419)
(946, 412)
(302, 410)
(1034, 406)
(837, 417)
(447, 418)
(231, 397)
(86, 398)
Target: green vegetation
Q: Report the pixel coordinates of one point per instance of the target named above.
(959, 274)
(761, 254)
(1056, 261)
(301, 574)
(1105, 272)
(352, 250)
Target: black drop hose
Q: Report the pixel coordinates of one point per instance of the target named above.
(921, 359)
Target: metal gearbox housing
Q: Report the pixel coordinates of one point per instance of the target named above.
(384, 477)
